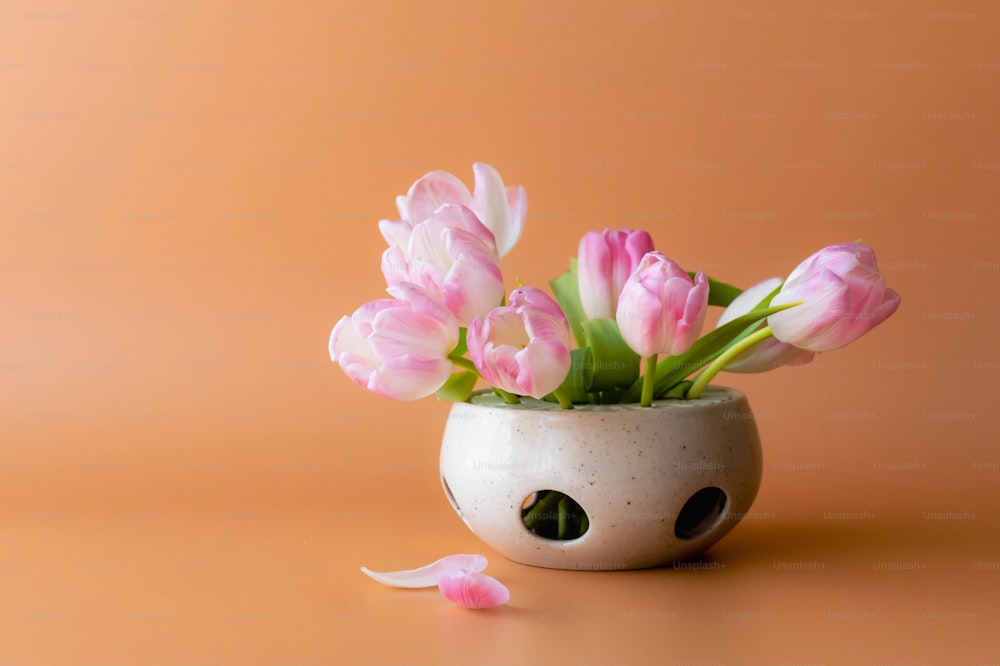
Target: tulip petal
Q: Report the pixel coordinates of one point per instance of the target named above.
(431, 191)
(886, 308)
(695, 309)
(395, 267)
(499, 366)
(539, 301)
(406, 378)
(473, 590)
(457, 216)
(517, 202)
(472, 287)
(396, 232)
(505, 327)
(817, 323)
(491, 203)
(422, 301)
(428, 244)
(345, 339)
(408, 333)
(543, 366)
(404, 211)
(767, 355)
(594, 274)
(359, 369)
(748, 300)
(637, 245)
(430, 575)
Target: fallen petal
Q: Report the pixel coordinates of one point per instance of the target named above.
(429, 575)
(473, 590)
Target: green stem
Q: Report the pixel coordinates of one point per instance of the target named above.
(541, 507)
(563, 516)
(648, 382)
(509, 398)
(564, 401)
(463, 363)
(702, 380)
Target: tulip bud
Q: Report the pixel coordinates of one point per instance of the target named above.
(522, 347)
(842, 296)
(605, 261)
(661, 309)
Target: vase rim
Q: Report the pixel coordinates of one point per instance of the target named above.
(712, 395)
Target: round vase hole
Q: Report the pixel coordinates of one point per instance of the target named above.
(554, 515)
(451, 498)
(701, 513)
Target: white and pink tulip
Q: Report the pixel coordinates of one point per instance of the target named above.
(397, 348)
(501, 209)
(451, 255)
(842, 296)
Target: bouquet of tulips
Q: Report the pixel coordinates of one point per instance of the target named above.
(635, 315)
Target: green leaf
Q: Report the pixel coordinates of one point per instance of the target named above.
(615, 365)
(462, 347)
(458, 388)
(576, 386)
(766, 302)
(609, 396)
(566, 289)
(674, 369)
(679, 390)
(719, 293)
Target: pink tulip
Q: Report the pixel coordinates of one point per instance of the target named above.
(522, 347)
(767, 354)
(458, 577)
(605, 261)
(842, 295)
(501, 209)
(661, 310)
(451, 255)
(397, 348)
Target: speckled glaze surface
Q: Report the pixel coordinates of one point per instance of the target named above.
(633, 471)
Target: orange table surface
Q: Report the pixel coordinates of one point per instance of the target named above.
(188, 198)
(196, 547)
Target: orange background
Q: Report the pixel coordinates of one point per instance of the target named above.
(189, 196)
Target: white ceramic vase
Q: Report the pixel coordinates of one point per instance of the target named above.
(657, 484)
